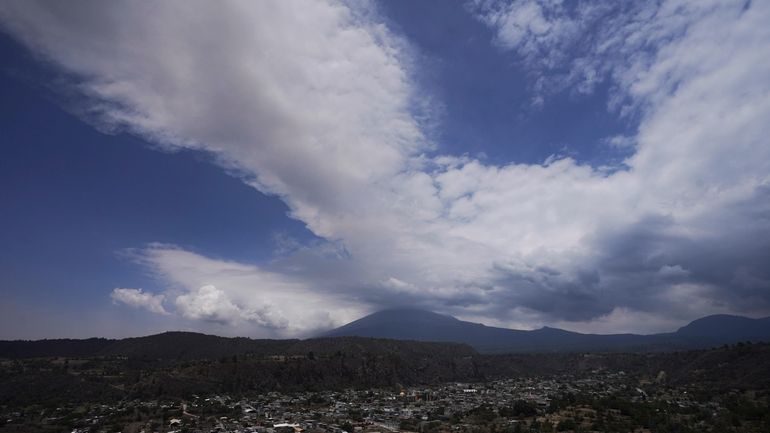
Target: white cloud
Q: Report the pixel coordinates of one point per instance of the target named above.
(246, 297)
(211, 304)
(673, 272)
(577, 45)
(139, 299)
(624, 320)
(621, 142)
(313, 102)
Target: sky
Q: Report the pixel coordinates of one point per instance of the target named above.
(279, 168)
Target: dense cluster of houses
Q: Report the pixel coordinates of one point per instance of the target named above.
(449, 406)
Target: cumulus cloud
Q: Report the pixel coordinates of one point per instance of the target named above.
(139, 299)
(211, 304)
(314, 102)
(244, 296)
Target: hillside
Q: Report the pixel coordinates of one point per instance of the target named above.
(343, 363)
(170, 365)
(195, 346)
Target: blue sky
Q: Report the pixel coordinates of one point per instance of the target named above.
(588, 165)
(485, 94)
(76, 199)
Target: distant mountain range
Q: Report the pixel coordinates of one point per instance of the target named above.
(407, 332)
(422, 325)
(193, 345)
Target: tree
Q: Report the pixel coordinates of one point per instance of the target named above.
(567, 424)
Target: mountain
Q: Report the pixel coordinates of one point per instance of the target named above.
(454, 338)
(726, 326)
(421, 325)
(196, 346)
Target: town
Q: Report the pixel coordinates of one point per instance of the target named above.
(599, 401)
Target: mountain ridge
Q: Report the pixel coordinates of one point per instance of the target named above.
(405, 329)
(182, 345)
(423, 325)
